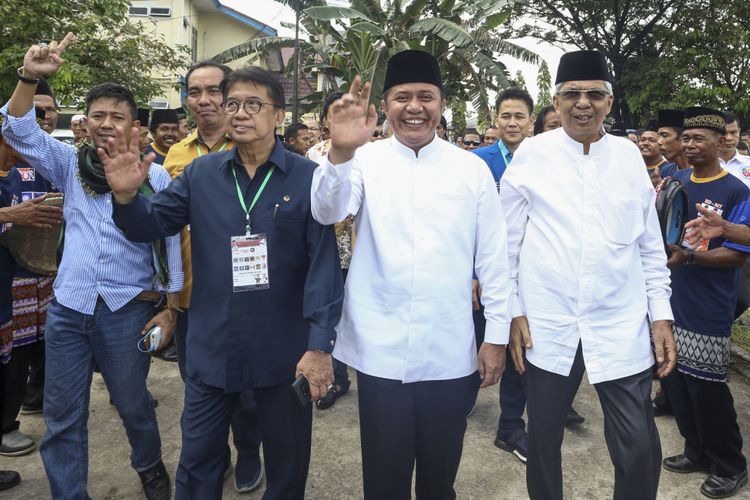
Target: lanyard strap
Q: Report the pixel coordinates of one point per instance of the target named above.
(255, 198)
(200, 151)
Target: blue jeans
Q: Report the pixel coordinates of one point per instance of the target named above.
(74, 342)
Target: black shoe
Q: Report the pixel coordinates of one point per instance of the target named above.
(682, 464)
(517, 445)
(335, 392)
(722, 487)
(9, 479)
(660, 411)
(156, 484)
(573, 417)
(169, 353)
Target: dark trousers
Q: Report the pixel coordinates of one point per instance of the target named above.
(512, 397)
(422, 422)
(16, 373)
(632, 438)
(286, 427)
(245, 432)
(35, 386)
(340, 375)
(704, 412)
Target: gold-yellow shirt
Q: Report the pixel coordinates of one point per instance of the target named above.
(180, 156)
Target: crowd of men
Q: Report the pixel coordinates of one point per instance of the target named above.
(269, 265)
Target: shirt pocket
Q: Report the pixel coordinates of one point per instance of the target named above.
(623, 223)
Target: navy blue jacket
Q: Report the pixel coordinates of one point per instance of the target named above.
(248, 339)
(493, 157)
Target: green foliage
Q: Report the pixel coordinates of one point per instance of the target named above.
(663, 53)
(458, 112)
(107, 47)
(519, 81)
(621, 30)
(342, 42)
(544, 82)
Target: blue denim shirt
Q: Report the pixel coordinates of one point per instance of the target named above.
(254, 338)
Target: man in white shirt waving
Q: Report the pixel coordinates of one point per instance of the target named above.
(588, 270)
(427, 214)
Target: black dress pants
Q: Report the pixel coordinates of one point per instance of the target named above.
(403, 424)
(629, 429)
(16, 374)
(285, 425)
(704, 412)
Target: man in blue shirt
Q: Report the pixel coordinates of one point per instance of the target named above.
(103, 289)
(705, 279)
(267, 285)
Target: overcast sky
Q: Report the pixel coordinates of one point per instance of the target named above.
(273, 13)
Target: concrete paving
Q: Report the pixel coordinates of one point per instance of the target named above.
(486, 473)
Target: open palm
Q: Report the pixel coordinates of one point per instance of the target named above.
(43, 60)
(123, 166)
(353, 119)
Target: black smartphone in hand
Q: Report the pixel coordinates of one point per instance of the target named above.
(301, 389)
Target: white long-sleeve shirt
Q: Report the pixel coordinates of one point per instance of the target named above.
(423, 224)
(586, 255)
(738, 166)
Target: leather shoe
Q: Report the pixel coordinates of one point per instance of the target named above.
(156, 484)
(723, 487)
(683, 465)
(335, 392)
(9, 479)
(573, 417)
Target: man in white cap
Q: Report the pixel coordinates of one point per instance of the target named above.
(588, 270)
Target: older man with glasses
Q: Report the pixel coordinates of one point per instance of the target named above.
(267, 286)
(588, 268)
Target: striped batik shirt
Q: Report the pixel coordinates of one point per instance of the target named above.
(98, 260)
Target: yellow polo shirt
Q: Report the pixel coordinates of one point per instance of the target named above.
(180, 156)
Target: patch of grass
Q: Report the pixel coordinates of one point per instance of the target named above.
(741, 331)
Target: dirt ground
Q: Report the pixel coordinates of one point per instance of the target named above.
(486, 473)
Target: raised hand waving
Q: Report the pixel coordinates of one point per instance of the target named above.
(43, 59)
(123, 166)
(352, 122)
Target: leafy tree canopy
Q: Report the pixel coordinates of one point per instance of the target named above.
(108, 47)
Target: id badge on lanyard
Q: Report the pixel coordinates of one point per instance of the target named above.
(250, 263)
(250, 251)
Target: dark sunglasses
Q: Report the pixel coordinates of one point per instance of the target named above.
(591, 95)
(469, 143)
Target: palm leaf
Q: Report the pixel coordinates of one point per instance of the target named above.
(335, 13)
(262, 46)
(368, 27)
(442, 28)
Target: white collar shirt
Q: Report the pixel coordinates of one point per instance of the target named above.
(586, 254)
(738, 166)
(423, 223)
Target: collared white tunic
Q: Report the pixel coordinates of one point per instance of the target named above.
(738, 166)
(424, 223)
(586, 253)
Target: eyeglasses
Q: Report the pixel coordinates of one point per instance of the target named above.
(593, 95)
(472, 143)
(251, 106)
(376, 133)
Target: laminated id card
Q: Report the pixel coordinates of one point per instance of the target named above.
(250, 263)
